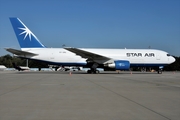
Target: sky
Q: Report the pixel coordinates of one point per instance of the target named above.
(133, 24)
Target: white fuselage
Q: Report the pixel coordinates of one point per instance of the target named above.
(136, 57)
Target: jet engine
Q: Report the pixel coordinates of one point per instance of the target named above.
(119, 65)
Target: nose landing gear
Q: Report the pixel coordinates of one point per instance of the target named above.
(160, 70)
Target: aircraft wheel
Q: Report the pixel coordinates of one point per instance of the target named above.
(97, 72)
(93, 72)
(89, 71)
(159, 71)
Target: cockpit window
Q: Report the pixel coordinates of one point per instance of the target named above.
(168, 55)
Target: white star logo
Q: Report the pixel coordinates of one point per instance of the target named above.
(27, 32)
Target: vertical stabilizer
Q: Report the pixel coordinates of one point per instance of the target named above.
(25, 37)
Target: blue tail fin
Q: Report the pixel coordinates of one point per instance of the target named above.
(25, 37)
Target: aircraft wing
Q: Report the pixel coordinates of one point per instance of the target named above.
(19, 52)
(89, 55)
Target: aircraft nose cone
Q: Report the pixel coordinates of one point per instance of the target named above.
(173, 59)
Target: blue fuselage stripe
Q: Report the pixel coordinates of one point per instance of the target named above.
(147, 65)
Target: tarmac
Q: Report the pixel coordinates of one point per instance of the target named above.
(80, 96)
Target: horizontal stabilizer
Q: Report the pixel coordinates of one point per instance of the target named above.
(20, 52)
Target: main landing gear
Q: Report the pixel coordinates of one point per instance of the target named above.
(93, 69)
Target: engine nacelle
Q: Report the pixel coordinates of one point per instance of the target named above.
(120, 65)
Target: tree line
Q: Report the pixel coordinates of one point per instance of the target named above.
(7, 61)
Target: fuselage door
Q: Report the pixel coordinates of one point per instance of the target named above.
(158, 56)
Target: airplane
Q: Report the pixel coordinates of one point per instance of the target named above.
(20, 68)
(108, 59)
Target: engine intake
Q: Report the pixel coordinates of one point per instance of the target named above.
(120, 65)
